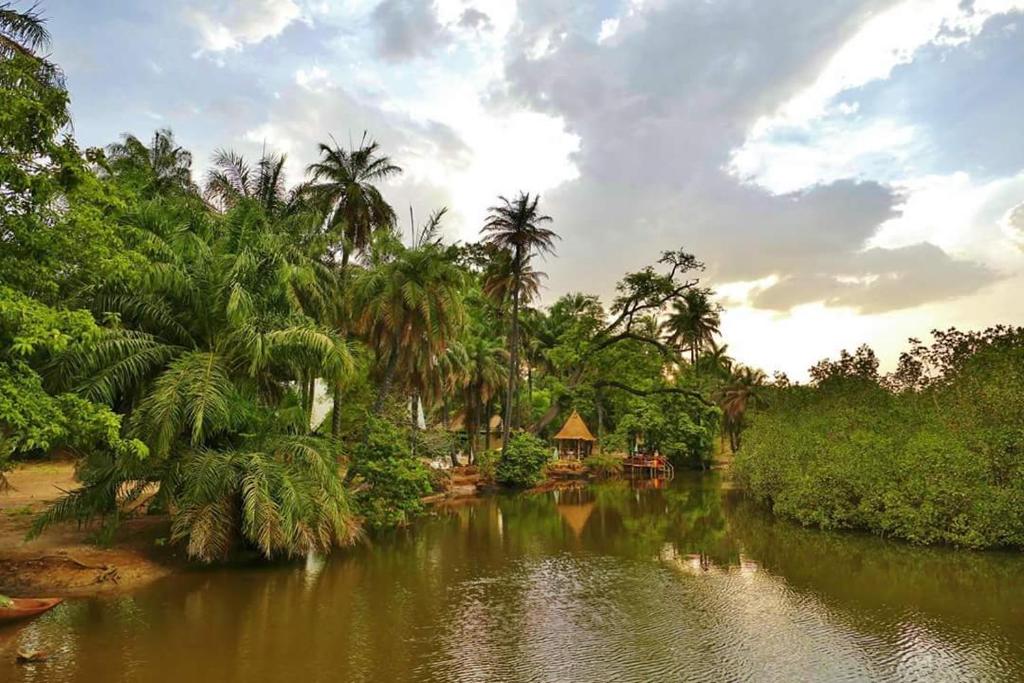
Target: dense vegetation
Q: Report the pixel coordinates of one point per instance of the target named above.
(182, 335)
(931, 453)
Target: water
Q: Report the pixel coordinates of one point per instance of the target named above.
(608, 583)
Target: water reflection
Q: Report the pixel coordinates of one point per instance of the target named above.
(608, 582)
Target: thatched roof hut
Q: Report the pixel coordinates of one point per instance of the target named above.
(575, 439)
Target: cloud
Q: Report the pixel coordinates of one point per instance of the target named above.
(880, 280)
(408, 29)
(233, 24)
(660, 112)
(472, 18)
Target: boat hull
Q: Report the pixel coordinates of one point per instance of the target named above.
(25, 608)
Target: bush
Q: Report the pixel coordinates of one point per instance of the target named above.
(523, 460)
(487, 463)
(939, 464)
(393, 481)
(604, 464)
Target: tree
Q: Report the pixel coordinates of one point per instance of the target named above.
(22, 35)
(202, 354)
(58, 234)
(486, 374)
(516, 226)
(694, 322)
(344, 184)
(743, 390)
(233, 179)
(162, 169)
(410, 311)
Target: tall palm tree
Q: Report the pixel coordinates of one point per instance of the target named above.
(517, 227)
(694, 322)
(162, 168)
(344, 184)
(743, 390)
(411, 310)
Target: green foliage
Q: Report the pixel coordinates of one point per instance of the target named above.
(942, 463)
(284, 496)
(604, 464)
(390, 481)
(487, 464)
(523, 460)
(678, 426)
(6, 602)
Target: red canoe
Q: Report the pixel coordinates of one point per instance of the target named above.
(27, 607)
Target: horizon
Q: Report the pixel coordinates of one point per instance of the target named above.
(843, 171)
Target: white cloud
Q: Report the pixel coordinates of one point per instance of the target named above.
(609, 27)
(233, 24)
(810, 138)
(314, 79)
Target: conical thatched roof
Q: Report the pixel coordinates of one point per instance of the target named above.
(575, 428)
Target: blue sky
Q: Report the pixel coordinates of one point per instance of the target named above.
(851, 171)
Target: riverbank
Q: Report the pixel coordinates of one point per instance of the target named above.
(64, 561)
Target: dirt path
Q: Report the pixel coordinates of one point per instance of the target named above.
(63, 561)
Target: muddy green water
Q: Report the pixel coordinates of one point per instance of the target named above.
(608, 583)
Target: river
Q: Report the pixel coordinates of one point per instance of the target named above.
(612, 582)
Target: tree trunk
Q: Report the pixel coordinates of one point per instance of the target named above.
(385, 385)
(336, 411)
(486, 421)
(513, 365)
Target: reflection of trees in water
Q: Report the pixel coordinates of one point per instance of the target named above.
(471, 583)
(866, 571)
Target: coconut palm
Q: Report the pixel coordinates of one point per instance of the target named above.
(162, 168)
(517, 227)
(411, 309)
(344, 184)
(207, 347)
(743, 390)
(694, 322)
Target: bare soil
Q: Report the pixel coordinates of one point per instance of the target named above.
(64, 560)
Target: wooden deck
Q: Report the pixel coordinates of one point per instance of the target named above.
(649, 465)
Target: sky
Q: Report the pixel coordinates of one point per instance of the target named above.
(850, 171)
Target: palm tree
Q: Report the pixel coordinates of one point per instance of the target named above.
(233, 179)
(694, 322)
(411, 310)
(485, 375)
(743, 390)
(499, 279)
(716, 361)
(23, 34)
(516, 226)
(207, 348)
(162, 168)
(343, 184)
